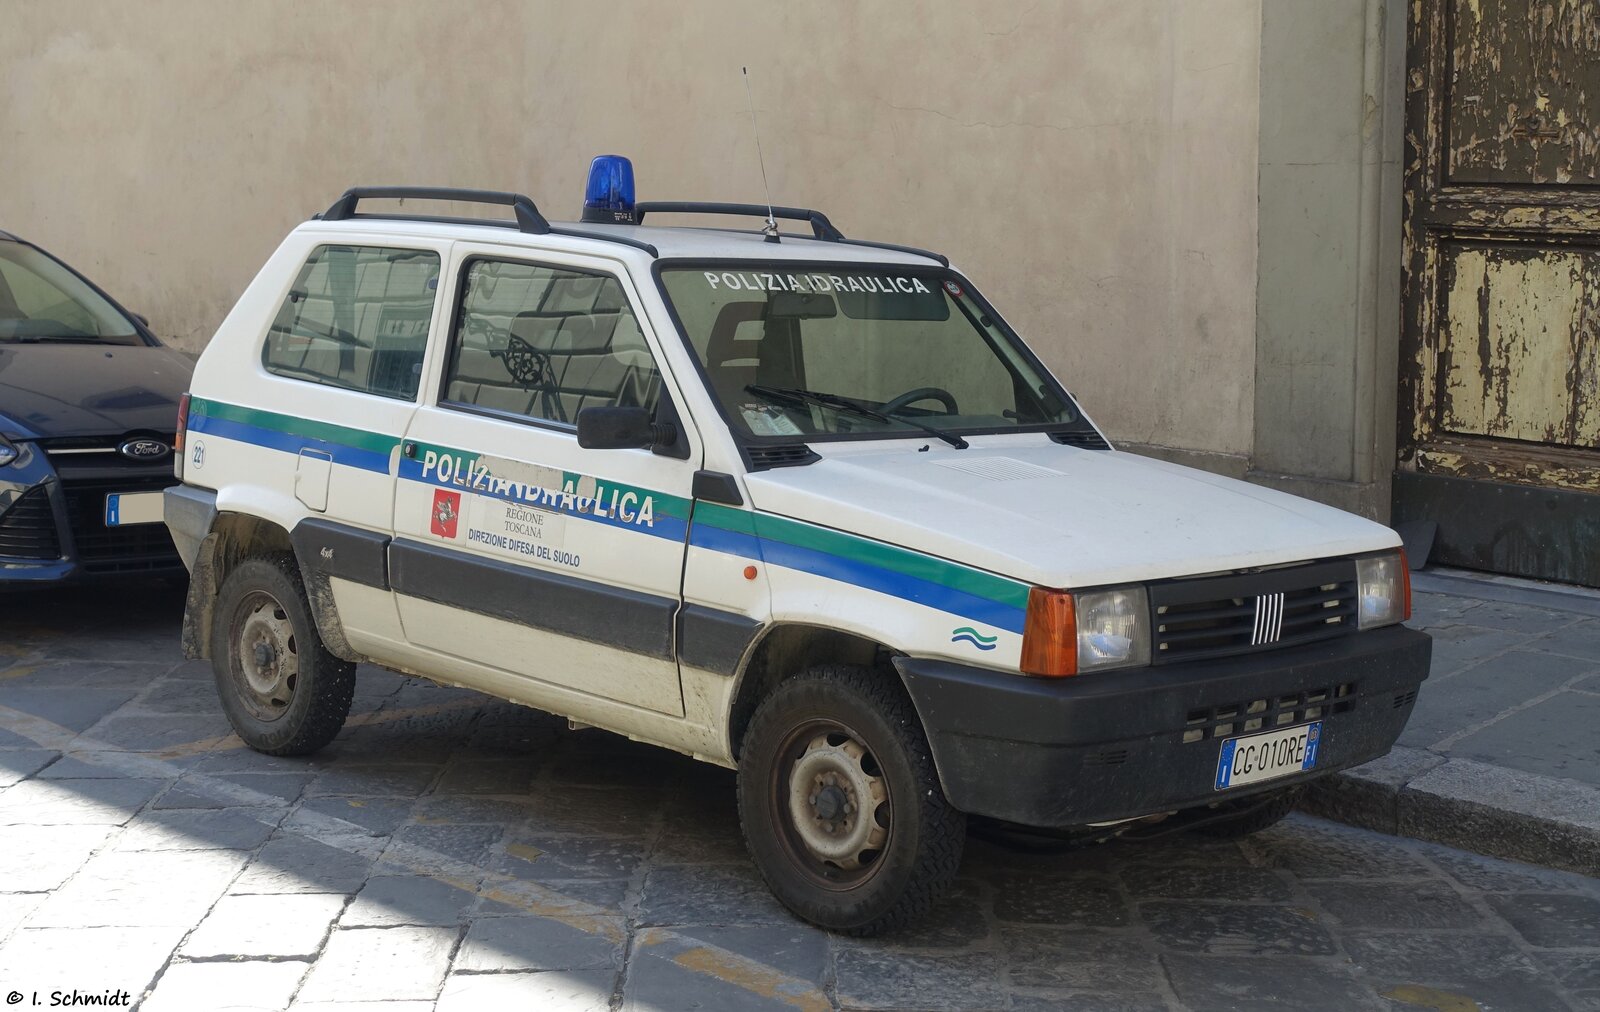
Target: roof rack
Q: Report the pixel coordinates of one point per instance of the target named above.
(578, 233)
(939, 258)
(528, 217)
(821, 227)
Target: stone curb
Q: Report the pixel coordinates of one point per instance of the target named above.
(1507, 590)
(1471, 805)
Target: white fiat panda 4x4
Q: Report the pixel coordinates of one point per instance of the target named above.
(800, 505)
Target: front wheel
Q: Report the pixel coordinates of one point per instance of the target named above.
(841, 805)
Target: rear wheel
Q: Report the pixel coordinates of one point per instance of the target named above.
(283, 692)
(841, 805)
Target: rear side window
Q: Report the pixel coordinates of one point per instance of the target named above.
(357, 317)
(547, 342)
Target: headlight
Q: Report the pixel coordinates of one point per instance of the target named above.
(1383, 590)
(8, 453)
(1113, 628)
(1069, 634)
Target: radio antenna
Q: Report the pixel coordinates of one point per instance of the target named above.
(771, 230)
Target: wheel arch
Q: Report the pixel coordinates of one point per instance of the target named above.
(785, 650)
(235, 537)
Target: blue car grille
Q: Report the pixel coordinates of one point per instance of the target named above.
(28, 528)
(100, 549)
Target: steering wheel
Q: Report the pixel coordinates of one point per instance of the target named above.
(923, 394)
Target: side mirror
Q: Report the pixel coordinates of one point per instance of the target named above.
(142, 319)
(622, 429)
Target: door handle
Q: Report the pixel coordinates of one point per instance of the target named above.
(409, 448)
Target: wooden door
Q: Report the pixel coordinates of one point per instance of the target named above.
(1499, 438)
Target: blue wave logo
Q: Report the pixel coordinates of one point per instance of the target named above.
(967, 634)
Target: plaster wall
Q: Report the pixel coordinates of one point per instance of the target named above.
(1092, 164)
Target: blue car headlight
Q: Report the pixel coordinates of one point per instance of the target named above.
(8, 452)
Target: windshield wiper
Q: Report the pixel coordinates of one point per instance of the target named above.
(795, 395)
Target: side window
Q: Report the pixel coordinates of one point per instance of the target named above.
(357, 318)
(547, 342)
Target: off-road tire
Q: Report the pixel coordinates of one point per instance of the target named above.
(1254, 816)
(324, 685)
(926, 835)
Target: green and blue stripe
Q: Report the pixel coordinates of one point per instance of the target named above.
(873, 565)
(833, 555)
(351, 447)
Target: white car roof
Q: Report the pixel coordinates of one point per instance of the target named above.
(669, 242)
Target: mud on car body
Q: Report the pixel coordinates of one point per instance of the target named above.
(795, 504)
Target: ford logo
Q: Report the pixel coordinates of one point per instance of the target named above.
(144, 449)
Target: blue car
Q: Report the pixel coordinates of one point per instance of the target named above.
(88, 409)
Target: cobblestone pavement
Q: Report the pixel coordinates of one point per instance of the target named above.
(451, 852)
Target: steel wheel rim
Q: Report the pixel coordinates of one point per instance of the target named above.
(832, 804)
(265, 662)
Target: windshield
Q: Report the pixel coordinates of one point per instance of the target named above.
(820, 351)
(41, 301)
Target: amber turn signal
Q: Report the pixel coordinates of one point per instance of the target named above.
(1050, 635)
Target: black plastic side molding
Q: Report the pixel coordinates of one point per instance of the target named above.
(342, 552)
(714, 640)
(583, 609)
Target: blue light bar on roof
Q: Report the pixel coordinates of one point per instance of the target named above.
(609, 194)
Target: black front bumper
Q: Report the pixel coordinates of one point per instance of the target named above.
(1121, 744)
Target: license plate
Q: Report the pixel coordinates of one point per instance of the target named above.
(1271, 754)
(124, 508)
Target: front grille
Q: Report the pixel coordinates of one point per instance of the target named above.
(28, 528)
(1224, 615)
(1252, 715)
(78, 444)
(137, 548)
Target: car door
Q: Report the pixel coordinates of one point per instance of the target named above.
(516, 550)
(310, 435)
